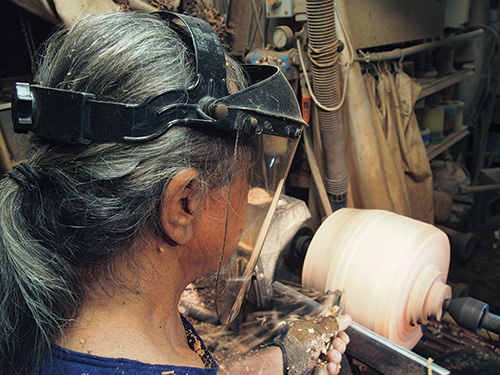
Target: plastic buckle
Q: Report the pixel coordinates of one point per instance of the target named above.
(22, 108)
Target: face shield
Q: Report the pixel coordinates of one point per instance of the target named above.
(266, 180)
(267, 111)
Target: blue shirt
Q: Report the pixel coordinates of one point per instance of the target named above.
(67, 362)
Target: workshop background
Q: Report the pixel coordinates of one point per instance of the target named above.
(404, 112)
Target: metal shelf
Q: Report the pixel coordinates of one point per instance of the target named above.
(449, 140)
(433, 85)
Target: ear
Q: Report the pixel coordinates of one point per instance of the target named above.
(181, 198)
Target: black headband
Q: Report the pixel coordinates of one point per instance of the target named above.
(267, 106)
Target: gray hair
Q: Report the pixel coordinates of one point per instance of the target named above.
(93, 201)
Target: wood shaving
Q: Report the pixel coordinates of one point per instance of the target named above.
(270, 60)
(429, 365)
(257, 196)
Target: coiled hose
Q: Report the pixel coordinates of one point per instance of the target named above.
(324, 55)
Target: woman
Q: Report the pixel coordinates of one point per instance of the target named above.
(135, 184)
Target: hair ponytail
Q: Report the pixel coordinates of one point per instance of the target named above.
(38, 291)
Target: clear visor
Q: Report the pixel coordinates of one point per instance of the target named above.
(266, 178)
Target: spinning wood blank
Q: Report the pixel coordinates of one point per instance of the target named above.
(392, 269)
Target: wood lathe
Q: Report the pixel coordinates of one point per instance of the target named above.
(392, 270)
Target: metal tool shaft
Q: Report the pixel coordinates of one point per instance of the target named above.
(385, 356)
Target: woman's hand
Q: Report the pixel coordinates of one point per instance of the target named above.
(303, 342)
(296, 351)
(339, 344)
